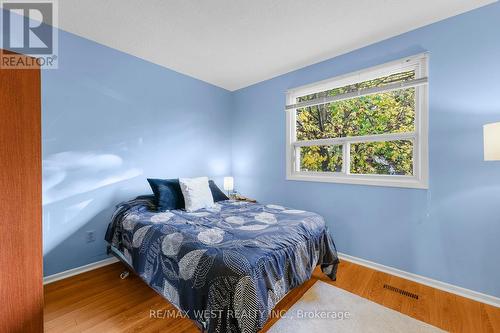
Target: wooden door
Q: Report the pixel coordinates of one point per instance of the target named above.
(21, 289)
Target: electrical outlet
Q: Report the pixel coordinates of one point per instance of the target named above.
(90, 236)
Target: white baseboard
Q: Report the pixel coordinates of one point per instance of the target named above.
(474, 295)
(78, 270)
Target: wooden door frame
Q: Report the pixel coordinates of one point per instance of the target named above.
(21, 258)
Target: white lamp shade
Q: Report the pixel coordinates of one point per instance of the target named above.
(228, 183)
(491, 142)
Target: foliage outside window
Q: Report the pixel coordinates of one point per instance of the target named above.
(372, 132)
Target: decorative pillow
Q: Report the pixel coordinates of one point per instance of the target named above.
(168, 193)
(217, 194)
(196, 192)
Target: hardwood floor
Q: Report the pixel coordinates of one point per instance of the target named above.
(99, 301)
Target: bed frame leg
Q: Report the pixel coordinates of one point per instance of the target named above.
(124, 275)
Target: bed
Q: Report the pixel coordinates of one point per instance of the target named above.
(225, 267)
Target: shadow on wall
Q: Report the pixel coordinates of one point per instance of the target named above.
(70, 173)
(77, 190)
(65, 231)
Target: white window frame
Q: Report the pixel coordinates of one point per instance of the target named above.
(420, 177)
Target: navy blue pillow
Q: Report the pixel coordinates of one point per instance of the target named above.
(168, 193)
(217, 194)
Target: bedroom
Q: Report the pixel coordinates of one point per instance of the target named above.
(366, 132)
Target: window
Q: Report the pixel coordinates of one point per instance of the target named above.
(368, 127)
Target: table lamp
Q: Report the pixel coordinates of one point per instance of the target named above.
(228, 185)
(491, 142)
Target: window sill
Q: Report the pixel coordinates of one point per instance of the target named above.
(378, 180)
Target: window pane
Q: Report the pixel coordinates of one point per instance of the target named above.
(390, 112)
(321, 158)
(382, 158)
(378, 82)
(318, 122)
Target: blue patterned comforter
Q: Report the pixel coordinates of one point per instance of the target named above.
(224, 267)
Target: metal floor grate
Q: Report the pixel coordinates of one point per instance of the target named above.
(400, 291)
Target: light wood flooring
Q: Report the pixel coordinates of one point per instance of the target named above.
(99, 301)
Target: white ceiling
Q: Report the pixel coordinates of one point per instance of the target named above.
(235, 43)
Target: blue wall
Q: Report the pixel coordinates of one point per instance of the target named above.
(450, 232)
(109, 121)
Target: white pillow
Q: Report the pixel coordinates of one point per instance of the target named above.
(196, 192)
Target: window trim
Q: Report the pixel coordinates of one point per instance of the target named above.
(419, 137)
